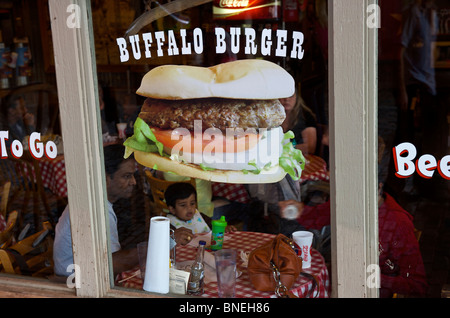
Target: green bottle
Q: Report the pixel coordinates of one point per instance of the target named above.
(218, 232)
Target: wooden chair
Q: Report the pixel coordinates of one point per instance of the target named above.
(158, 187)
(6, 237)
(5, 197)
(41, 100)
(27, 188)
(30, 256)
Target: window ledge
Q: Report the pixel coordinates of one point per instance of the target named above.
(26, 287)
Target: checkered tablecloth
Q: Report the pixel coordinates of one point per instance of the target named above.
(315, 169)
(247, 241)
(230, 191)
(54, 175)
(53, 172)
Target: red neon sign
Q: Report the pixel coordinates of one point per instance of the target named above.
(246, 9)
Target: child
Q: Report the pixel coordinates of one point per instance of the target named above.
(181, 199)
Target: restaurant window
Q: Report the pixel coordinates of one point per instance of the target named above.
(292, 37)
(413, 131)
(34, 190)
(96, 99)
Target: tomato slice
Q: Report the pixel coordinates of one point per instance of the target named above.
(212, 140)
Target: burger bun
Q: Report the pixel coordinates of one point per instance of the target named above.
(165, 164)
(241, 79)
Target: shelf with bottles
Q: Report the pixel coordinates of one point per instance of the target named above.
(443, 16)
(15, 63)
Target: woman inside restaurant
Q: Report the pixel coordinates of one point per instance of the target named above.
(301, 121)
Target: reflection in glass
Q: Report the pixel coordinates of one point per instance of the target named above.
(413, 98)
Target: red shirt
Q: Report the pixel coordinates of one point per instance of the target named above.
(401, 264)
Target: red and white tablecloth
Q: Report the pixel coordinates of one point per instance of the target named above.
(53, 172)
(315, 169)
(54, 175)
(230, 191)
(247, 241)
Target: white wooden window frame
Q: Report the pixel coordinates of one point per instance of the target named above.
(353, 139)
(353, 147)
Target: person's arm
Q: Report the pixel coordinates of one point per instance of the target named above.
(404, 252)
(309, 136)
(403, 96)
(28, 120)
(124, 260)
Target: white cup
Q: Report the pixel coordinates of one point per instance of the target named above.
(304, 241)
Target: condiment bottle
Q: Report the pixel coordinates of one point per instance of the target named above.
(218, 231)
(195, 284)
(23, 68)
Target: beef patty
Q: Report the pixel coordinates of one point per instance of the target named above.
(214, 112)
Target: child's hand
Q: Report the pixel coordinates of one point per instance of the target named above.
(230, 229)
(28, 119)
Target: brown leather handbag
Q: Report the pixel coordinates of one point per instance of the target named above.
(274, 266)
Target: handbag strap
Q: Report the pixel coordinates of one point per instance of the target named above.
(281, 291)
(315, 284)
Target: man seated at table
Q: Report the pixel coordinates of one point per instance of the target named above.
(120, 183)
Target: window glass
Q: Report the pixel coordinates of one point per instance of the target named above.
(413, 147)
(32, 178)
(293, 37)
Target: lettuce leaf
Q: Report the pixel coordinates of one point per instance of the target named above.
(291, 159)
(205, 168)
(143, 139)
(257, 170)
